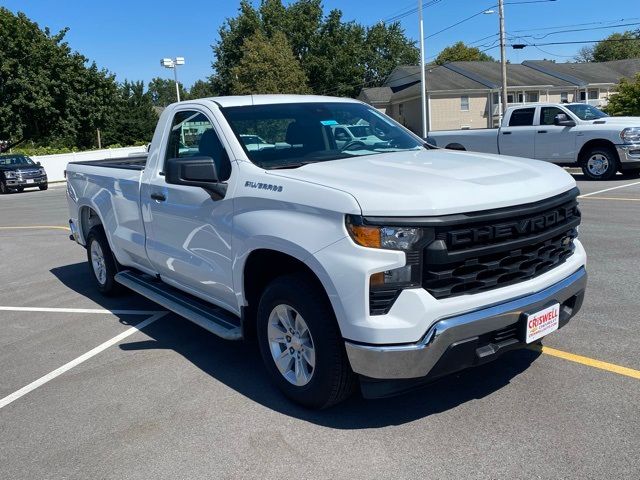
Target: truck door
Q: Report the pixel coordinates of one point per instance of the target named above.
(189, 232)
(554, 143)
(518, 138)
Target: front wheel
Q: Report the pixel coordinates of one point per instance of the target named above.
(3, 188)
(102, 263)
(600, 163)
(43, 187)
(300, 343)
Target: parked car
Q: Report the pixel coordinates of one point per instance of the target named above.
(389, 266)
(18, 172)
(565, 134)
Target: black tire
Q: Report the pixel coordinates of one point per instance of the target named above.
(612, 163)
(20, 189)
(108, 287)
(3, 188)
(332, 379)
(43, 187)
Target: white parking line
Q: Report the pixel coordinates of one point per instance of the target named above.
(82, 358)
(82, 310)
(609, 189)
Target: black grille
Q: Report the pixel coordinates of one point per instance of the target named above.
(380, 301)
(485, 255)
(29, 173)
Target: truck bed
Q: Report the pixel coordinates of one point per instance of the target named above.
(137, 162)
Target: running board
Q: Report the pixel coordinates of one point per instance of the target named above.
(211, 318)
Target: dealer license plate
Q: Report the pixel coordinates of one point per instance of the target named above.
(542, 323)
(29, 181)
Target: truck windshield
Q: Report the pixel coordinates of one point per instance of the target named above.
(295, 134)
(16, 160)
(586, 112)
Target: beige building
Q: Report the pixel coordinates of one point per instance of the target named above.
(465, 95)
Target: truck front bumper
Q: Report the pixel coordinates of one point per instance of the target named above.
(466, 340)
(629, 156)
(26, 183)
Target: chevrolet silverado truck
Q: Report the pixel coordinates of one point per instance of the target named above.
(384, 266)
(18, 172)
(574, 134)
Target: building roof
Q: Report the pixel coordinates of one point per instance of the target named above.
(582, 74)
(518, 75)
(404, 80)
(375, 95)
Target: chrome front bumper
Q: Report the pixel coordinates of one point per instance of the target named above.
(629, 156)
(418, 359)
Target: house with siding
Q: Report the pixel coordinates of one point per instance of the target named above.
(465, 95)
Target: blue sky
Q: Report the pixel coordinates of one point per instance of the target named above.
(130, 37)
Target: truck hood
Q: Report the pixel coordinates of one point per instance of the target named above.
(622, 121)
(435, 182)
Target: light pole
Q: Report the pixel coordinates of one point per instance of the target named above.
(423, 84)
(173, 64)
(503, 59)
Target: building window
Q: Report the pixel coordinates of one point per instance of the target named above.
(583, 96)
(594, 94)
(520, 97)
(464, 103)
(400, 109)
(564, 97)
(532, 97)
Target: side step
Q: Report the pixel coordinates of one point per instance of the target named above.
(211, 318)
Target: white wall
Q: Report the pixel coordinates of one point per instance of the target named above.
(56, 164)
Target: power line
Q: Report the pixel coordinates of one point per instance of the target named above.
(601, 22)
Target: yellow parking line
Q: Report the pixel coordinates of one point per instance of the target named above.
(590, 362)
(34, 227)
(614, 198)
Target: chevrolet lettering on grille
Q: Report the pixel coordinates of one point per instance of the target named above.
(515, 229)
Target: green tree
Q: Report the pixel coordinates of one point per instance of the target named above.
(338, 57)
(616, 46)
(626, 100)
(163, 91)
(47, 91)
(202, 89)
(133, 119)
(459, 52)
(268, 66)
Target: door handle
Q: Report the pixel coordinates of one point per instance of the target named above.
(542, 131)
(506, 133)
(158, 196)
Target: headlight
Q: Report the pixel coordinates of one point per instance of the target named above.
(630, 135)
(10, 174)
(388, 237)
(404, 238)
(42, 172)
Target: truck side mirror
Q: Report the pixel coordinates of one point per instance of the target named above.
(562, 120)
(195, 172)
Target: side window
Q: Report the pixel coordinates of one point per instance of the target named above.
(522, 117)
(192, 135)
(547, 114)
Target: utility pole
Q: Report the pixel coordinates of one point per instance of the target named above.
(503, 60)
(423, 82)
(99, 139)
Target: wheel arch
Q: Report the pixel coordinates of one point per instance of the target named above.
(596, 143)
(456, 146)
(264, 264)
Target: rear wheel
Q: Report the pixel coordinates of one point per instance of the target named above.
(101, 262)
(600, 163)
(301, 345)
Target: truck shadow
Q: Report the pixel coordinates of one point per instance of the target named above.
(239, 366)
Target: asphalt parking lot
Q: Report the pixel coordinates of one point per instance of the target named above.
(174, 401)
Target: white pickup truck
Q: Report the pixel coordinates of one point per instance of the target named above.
(565, 134)
(386, 265)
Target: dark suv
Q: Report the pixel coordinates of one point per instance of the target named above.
(18, 172)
